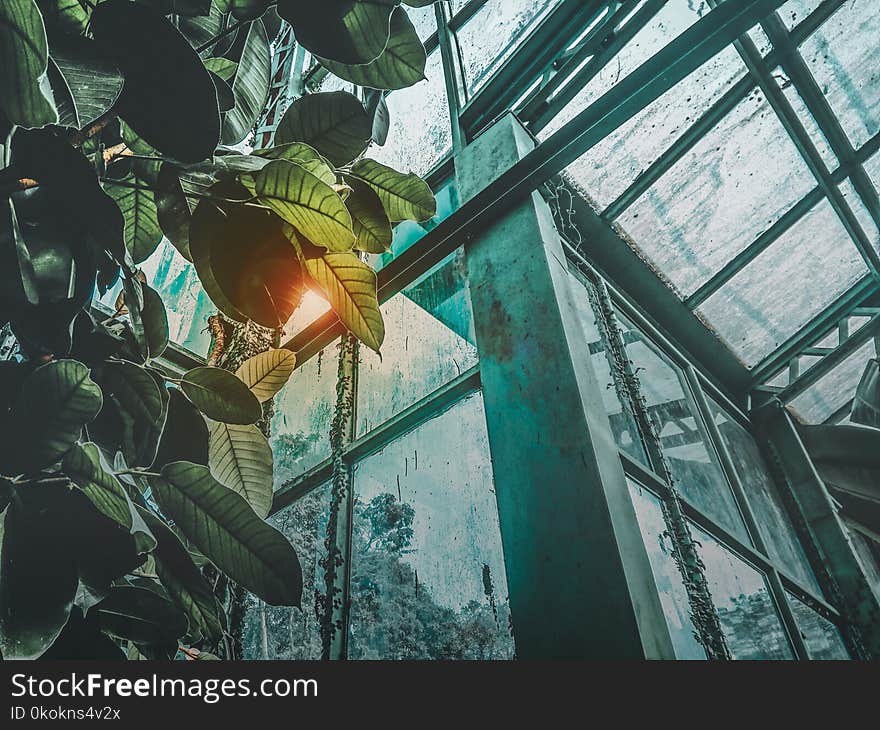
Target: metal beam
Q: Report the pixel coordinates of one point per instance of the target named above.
(652, 79)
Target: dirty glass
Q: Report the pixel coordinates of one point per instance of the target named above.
(773, 296)
(834, 390)
(620, 418)
(745, 607)
(429, 340)
(863, 216)
(673, 596)
(493, 34)
(843, 55)
(764, 498)
(287, 632)
(794, 11)
(822, 638)
(421, 133)
(427, 569)
(692, 460)
(609, 167)
(735, 182)
(303, 410)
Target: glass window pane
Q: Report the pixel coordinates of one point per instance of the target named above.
(743, 602)
(735, 182)
(429, 340)
(683, 439)
(623, 426)
(764, 498)
(843, 56)
(769, 299)
(427, 569)
(420, 134)
(835, 389)
(673, 596)
(794, 11)
(608, 168)
(822, 637)
(303, 410)
(286, 632)
(492, 35)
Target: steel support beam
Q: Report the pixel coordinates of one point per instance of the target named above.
(564, 507)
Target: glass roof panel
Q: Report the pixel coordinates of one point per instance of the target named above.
(844, 57)
(861, 213)
(872, 167)
(492, 35)
(734, 183)
(812, 128)
(794, 11)
(834, 390)
(794, 279)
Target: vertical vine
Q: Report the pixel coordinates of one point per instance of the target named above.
(331, 604)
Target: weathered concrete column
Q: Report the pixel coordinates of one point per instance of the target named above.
(578, 574)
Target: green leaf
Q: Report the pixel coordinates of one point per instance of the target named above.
(185, 436)
(67, 16)
(38, 573)
(405, 197)
(142, 231)
(400, 65)
(248, 9)
(184, 581)
(155, 320)
(168, 97)
(221, 396)
(372, 229)
(267, 373)
(223, 67)
(350, 287)
(24, 56)
(83, 465)
(246, 264)
(251, 86)
(306, 203)
(94, 81)
(240, 458)
(174, 208)
(335, 123)
(227, 530)
(348, 32)
(55, 402)
(140, 615)
(304, 156)
(139, 402)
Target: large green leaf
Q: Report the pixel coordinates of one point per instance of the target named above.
(83, 465)
(226, 529)
(348, 31)
(248, 9)
(184, 581)
(250, 87)
(240, 458)
(139, 402)
(155, 319)
(350, 287)
(266, 373)
(63, 97)
(372, 229)
(138, 206)
(185, 436)
(308, 204)
(866, 403)
(304, 156)
(94, 81)
(221, 396)
(140, 615)
(223, 67)
(68, 16)
(174, 208)
(400, 65)
(335, 123)
(38, 572)
(405, 197)
(168, 97)
(55, 402)
(24, 56)
(245, 263)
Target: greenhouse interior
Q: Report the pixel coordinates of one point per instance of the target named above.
(627, 405)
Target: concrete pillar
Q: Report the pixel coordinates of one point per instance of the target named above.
(578, 573)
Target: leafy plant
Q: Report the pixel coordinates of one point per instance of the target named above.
(123, 489)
